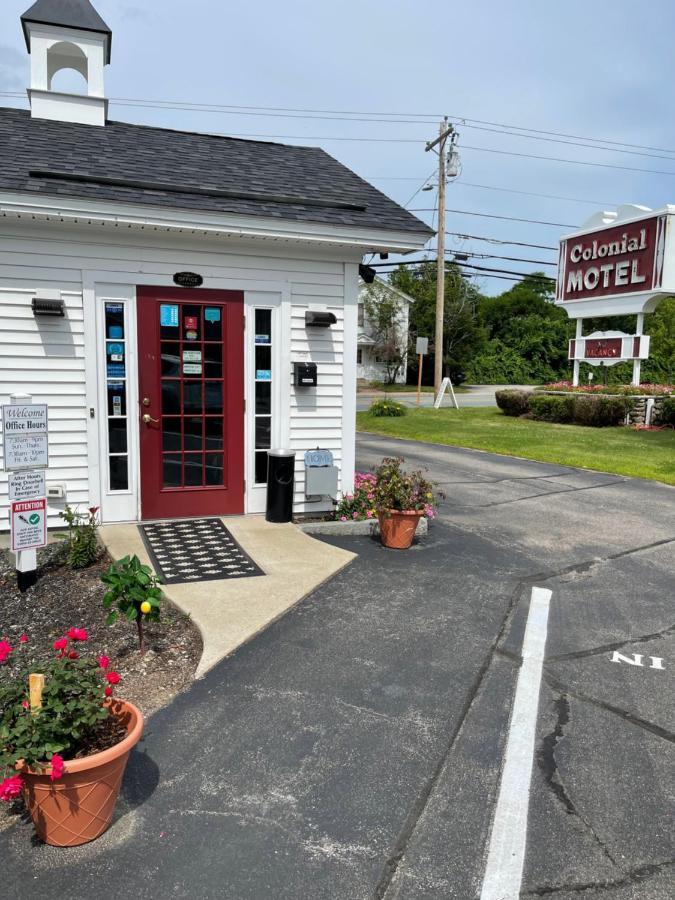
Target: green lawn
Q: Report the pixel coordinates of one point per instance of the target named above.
(644, 454)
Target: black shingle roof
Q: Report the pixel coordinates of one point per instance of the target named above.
(78, 14)
(178, 169)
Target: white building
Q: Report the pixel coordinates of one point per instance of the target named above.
(178, 271)
(369, 365)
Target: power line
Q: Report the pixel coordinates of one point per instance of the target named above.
(465, 212)
(490, 240)
(537, 262)
(536, 275)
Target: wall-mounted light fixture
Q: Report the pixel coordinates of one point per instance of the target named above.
(48, 306)
(315, 319)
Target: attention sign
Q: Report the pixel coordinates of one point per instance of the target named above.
(29, 524)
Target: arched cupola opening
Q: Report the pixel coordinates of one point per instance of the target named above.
(66, 55)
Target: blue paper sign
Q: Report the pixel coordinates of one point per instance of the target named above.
(263, 375)
(115, 370)
(212, 314)
(168, 315)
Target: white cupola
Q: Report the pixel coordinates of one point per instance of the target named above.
(67, 34)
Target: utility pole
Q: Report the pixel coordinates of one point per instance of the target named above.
(444, 132)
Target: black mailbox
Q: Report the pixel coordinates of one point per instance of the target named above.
(304, 374)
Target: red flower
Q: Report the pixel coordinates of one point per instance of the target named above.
(25, 704)
(103, 662)
(73, 655)
(77, 634)
(57, 767)
(5, 650)
(112, 678)
(93, 510)
(23, 638)
(61, 644)
(10, 788)
(108, 691)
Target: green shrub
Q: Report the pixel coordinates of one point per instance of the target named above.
(599, 411)
(135, 590)
(386, 408)
(551, 408)
(82, 539)
(513, 403)
(667, 414)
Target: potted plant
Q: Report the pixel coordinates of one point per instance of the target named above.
(65, 740)
(401, 499)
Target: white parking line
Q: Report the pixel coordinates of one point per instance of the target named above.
(506, 854)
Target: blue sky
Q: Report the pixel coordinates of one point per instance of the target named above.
(602, 69)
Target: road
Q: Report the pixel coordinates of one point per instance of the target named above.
(476, 395)
(354, 750)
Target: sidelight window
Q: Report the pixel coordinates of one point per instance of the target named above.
(263, 392)
(116, 407)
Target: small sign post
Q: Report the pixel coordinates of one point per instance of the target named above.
(421, 348)
(445, 384)
(25, 441)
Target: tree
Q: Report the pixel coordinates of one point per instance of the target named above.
(384, 311)
(462, 334)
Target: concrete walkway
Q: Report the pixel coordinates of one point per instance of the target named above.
(231, 611)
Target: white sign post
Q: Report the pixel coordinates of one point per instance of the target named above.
(25, 442)
(421, 348)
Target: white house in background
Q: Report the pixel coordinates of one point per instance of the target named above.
(369, 366)
(159, 288)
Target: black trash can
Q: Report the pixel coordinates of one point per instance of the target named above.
(280, 485)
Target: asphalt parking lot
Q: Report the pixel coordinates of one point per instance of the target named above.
(355, 749)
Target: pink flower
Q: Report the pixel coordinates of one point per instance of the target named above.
(11, 788)
(112, 678)
(343, 518)
(5, 651)
(25, 704)
(108, 691)
(77, 634)
(103, 662)
(57, 767)
(61, 644)
(369, 514)
(371, 496)
(23, 639)
(355, 515)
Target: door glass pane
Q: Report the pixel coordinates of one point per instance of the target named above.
(115, 364)
(117, 398)
(263, 398)
(213, 355)
(263, 326)
(119, 475)
(213, 325)
(171, 434)
(193, 433)
(214, 433)
(117, 435)
(192, 323)
(214, 397)
(262, 433)
(192, 397)
(170, 397)
(214, 468)
(172, 470)
(193, 469)
(170, 359)
(169, 315)
(263, 359)
(261, 468)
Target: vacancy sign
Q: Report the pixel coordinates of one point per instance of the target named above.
(607, 348)
(29, 524)
(25, 436)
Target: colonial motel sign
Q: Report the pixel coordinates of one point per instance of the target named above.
(618, 263)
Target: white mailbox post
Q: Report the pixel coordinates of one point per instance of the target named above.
(25, 442)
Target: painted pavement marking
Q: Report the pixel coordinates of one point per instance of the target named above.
(506, 854)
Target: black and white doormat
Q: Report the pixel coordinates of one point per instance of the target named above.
(198, 550)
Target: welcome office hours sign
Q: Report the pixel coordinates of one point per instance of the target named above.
(25, 434)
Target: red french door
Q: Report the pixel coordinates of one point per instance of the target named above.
(191, 401)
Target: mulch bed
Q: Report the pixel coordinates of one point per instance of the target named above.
(64, 597)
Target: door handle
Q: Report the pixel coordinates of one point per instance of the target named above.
(147, 418)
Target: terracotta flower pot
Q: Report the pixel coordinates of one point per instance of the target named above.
(397, 528)
(79, 806)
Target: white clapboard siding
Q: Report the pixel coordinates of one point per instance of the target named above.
(45, 358)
